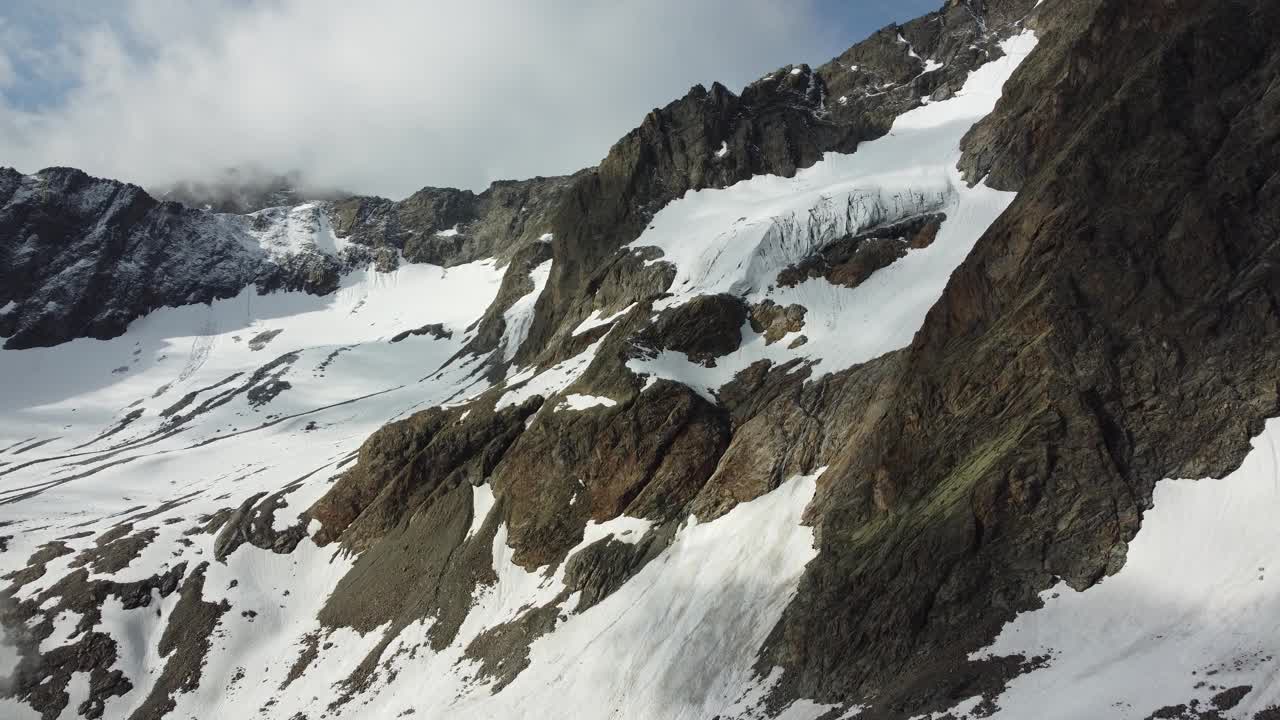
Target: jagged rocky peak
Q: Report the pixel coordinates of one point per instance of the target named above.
(447, 226)
(85, 256)
(77, 247)
(883, 422)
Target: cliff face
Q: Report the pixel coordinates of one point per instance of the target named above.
(787, 409)
(1106, 332)
(84, 257)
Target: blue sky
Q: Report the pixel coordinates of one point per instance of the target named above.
(31, 31)
(852, 20)
(380, 96)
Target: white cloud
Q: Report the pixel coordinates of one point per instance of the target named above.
(9, 659)
(385, 96)
(6, 71)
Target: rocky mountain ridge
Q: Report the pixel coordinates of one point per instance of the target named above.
(82, 255)
(782, 122)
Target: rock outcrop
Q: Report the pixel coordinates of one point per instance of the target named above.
(446, 226)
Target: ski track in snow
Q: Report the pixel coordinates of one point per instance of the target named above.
(224, 455)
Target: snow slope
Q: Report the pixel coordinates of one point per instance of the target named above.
(63, 472)
(284, 231)
(519, 317)
(588, 667)
(1197, 604)
(736, 240)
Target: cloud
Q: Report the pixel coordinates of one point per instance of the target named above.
(9, 655)
(381, 96)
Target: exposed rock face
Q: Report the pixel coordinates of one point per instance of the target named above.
(435, 330)
(775, 321)
(1104, 334)
(83, 257)
(517, 283)
(704, 329)
(445, 226)
(850, 261)
(410, 463)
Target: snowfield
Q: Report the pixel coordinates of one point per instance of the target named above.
(75, 459)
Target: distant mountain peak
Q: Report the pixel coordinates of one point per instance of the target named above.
(244, 190)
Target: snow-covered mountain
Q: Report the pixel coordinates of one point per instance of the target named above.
(884, 389)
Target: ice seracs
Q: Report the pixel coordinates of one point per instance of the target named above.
(736, 240)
